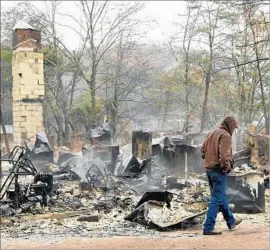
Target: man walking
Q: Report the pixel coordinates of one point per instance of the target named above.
(217, 154)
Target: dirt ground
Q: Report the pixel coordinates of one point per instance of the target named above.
(245, 236)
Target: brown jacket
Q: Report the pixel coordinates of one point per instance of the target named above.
(217, 147)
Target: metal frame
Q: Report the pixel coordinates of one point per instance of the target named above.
(21, 165)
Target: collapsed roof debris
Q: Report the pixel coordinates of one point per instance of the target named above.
(40, 153)
(102, 134)
(154, 215)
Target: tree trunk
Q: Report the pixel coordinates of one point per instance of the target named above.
(265, 113)
(205, 100)
(66, 124)
(75, 75)
(93, 92)
(114, 110)
(186, 93)
(66, 107)
(4, 131)
(266, 119)
(164, 118)
(61, 132)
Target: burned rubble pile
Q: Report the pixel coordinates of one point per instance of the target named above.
(112, 190)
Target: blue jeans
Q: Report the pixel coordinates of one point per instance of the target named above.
(219, 202)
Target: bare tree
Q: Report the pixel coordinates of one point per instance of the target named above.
(249, 63)
(127, 66)
(102, 23)
(189, 33)
(209, 29)
(254, 26)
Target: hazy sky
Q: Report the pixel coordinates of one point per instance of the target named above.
(164, 12)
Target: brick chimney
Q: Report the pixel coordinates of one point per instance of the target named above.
(28, 82)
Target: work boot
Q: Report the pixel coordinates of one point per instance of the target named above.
(238, 220)
(214, 232)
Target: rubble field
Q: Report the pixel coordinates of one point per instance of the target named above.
(111, 224)
(107, 200)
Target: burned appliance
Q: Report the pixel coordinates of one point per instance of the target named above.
(247, 192)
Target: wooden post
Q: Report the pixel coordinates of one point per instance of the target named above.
(142, 144)
(4, 131)
(186, 165)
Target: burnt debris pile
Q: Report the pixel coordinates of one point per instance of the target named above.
(158, 184)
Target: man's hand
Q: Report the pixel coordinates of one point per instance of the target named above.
(227, 170)
(225, 146)
(232, 163)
